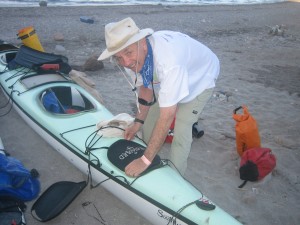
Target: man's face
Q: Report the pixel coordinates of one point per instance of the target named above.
(132, 57)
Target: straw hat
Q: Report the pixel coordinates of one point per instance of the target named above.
(120, 35)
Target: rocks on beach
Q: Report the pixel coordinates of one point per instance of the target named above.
(43, 3)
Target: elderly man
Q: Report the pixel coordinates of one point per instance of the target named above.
(176, 76)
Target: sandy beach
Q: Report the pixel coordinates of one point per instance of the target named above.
(259, 68)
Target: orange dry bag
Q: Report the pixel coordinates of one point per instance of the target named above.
(246, 129)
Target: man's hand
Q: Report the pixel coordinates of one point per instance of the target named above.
(135, 168)
(131, 131)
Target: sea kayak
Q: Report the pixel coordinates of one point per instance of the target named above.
(65, 115)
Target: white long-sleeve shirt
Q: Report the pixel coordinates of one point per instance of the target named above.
(183, 67)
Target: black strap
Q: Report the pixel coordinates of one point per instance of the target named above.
(139, 121)
(243, 184)
(144, 102)
(237, 109)
(27, 35)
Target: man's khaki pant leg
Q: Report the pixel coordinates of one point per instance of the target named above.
(186, 116)
(150, 122)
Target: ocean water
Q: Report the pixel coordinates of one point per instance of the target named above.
(35, 3)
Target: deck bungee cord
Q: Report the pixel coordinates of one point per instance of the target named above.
(88, 151)
(101, 220)
(10, 98)
(174, 216)
(164, 162)
(20, 73)
(89, 148)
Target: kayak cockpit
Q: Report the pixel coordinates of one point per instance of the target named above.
(46, 75)
(7, 56)
(65, 100)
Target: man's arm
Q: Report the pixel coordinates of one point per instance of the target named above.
(147, 95)
(159, 133)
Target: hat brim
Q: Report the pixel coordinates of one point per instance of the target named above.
(140, 35)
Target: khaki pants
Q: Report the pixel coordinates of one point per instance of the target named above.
(187, 114)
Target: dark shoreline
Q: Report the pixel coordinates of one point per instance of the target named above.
(164, 4)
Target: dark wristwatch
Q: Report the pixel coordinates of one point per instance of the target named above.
(139, 121)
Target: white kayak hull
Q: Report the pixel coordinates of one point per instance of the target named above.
(158, 203)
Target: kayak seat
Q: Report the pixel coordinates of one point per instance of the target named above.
(123, 152)
(65, 100)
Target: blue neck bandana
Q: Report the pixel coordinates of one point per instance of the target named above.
(147, 70)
